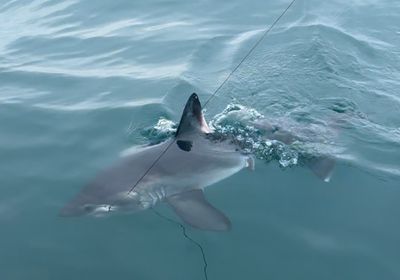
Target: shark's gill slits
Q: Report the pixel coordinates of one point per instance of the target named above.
(151, 198)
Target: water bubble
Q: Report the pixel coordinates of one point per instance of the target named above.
(161, 131)
(235, 121)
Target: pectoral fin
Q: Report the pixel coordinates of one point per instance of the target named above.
(195, 210)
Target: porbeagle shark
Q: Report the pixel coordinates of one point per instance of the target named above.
(192, 162)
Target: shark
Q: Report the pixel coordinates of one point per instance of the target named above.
(175, 172)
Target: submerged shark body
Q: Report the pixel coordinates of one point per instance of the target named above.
(189, 163)
(322, 166)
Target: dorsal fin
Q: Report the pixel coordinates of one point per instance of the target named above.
(192, 119)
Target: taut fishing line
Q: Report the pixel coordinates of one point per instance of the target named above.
(187, 237)
(266, 32)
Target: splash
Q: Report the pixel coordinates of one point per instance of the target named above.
(160, 132)
(237, 122)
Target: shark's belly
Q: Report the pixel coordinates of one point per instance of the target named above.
(158, 188)
(177, 171)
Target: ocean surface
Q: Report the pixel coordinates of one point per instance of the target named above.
(82, 81)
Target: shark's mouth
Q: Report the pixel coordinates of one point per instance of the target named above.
(100, 210)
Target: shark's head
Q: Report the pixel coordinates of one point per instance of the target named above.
(78, 207)
(70, 211)
(192, 120)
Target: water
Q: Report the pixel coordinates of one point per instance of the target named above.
(82, 81)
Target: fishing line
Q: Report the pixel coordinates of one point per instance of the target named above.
(249, 52)
(216, 91)
(188, 238)
(266, 32)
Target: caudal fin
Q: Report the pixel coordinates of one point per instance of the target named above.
(322, 167)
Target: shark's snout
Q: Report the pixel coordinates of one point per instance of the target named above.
(89, 210)
(71, 210)
(84, 203)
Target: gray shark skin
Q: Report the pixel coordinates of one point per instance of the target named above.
(322, 166)
(191, 163)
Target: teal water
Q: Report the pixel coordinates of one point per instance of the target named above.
(81, 81)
